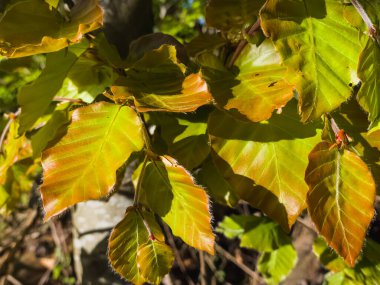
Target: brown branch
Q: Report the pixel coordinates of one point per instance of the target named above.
(202, 274)
(239, 264)
(243, 43)
(71, 100)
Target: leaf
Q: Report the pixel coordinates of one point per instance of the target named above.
(369, 74)
(232, 15)
(276, 265)
(205, 42)
(170, 191)
(86, 79)
(47, 133)
(341, 198)
(216, 186)
(83, 164)
(130, 248)
(328, 257)
(184, 135)
(190, 96)
(319, 45)
(154, 260)
(15, 148)
(30, 27)
(36, 97)
(255, 159)
(366, 270)
(259, 233)
(258, 88)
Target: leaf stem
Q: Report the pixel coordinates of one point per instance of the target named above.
(243, 43)
(146, 136)
(12, 117)
(139, 182)
(367, 20)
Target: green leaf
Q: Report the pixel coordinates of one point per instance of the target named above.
(205, 42)
(258, 88)
(216, 185)
(86, 79)
(30, 27)
(259, 233)
(369, 73)
(185, 137)
(341, 198)
(36, 97)
(48, 132)
(170, 191)
(154, 260)
(232, 15)
(319, 45)
(276, 265)
(255, 159)
(83, 164)
(134, 253)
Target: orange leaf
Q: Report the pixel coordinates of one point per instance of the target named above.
(341, 198)
(83, 164)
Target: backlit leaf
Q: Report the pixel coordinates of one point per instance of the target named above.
(258, 88)
(170, 191)
(341, 198)
(83, 164)
(265, 162)
(277, 264)
(154, 260)
(369, 73)
(317, 43)
(30, 27)
(132, 250)
(36, 97)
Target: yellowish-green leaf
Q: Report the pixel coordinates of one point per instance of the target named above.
(265, 162)
(341, 198)
(36, 97)
(258, 88)
(83, 164)
(319, 45)
(132, 248)
(369, 73)
(170, 191)
(154, 260)
(327, 257)
(15, 148)
(30, 27)
(276, 265)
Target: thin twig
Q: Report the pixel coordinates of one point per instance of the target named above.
(177, 256)
(367, 20)
(239, 264)
(202, 275)
(6, 128)
(13, 280)
(243, 43)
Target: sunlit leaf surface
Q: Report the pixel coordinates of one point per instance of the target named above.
(83, 164)
(341, 198)
(30, 27)
(265, 161)
(134, 253)
(170, 191)
(319, 45)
